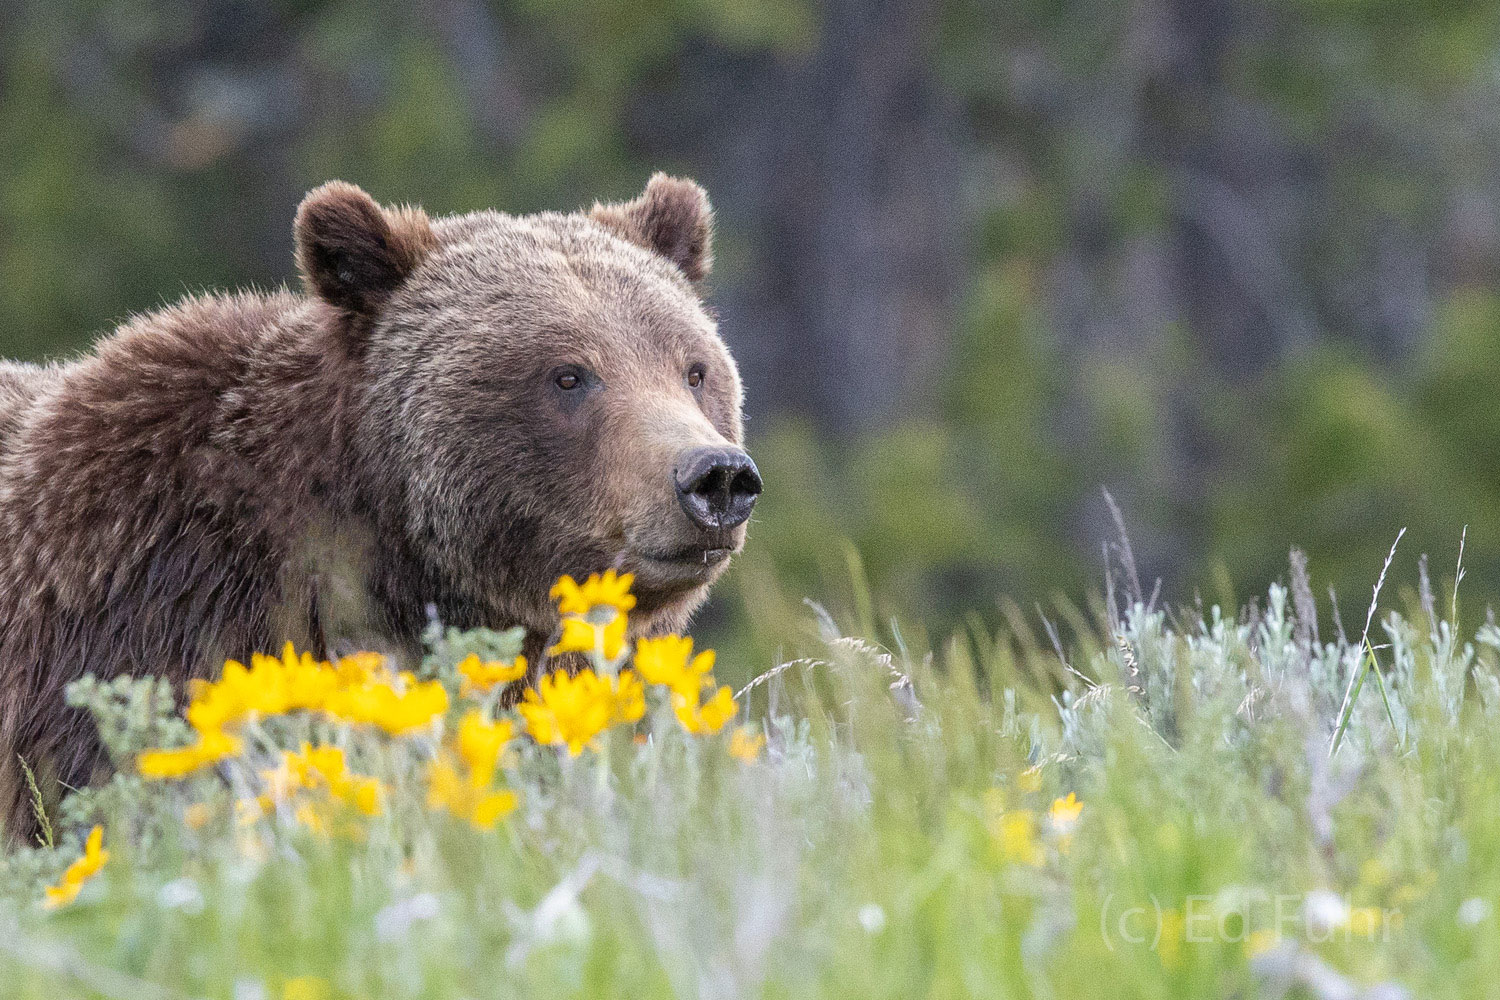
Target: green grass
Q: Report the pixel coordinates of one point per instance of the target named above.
(879, 847)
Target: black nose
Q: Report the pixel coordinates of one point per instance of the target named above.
(717, 487)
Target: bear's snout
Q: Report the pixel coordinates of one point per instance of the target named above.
(717, 487)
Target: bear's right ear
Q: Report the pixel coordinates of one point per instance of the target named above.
(352, 253)
(672, 217)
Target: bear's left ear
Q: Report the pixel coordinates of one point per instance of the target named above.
(672, 217)
(352, 253)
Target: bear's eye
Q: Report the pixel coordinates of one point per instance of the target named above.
(695, 377)
(567, 380)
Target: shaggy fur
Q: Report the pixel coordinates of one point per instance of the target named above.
(238, 471)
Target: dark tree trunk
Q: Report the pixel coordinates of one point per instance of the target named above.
(839, 173)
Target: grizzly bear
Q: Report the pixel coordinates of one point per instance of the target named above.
(455, 414)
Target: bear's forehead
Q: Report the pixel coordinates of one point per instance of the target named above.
(551, 245)
(552, 283)
(565, 263)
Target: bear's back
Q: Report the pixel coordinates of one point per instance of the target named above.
(149, 497)
(21, 384)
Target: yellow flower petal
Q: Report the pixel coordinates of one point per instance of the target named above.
(610, 589)
(479, 677)
(578, 636)
(305, 988)
(56, 896)
(706, 717)
(1015, 835)
(569, 711)
(211, 747)
(479, 744)
(629, 698)
(79, 872)
(472, 799)
(1064, 813)
(493, 807)
(746, 743)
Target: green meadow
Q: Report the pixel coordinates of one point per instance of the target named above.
(1134, 800)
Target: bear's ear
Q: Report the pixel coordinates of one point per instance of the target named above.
(672, 217)
(353, 253)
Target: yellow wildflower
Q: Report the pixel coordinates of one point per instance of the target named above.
(629, 698)
(358, 689)
(367, 793)
(492, 807)
(197, 815)
(268, 687)
(363, 793)
(446, 788)
(305, 988)
(79, 872)
(211, 747)
(321, 770)
(578, 636)
(313, 816)
(479, 677)
(361, 668)
(746, 744)
(397, 710)
(1015, 835)
(707, 717)
(610, 589)
(472, 799)
(581, 635)
(479, 743)
(311, 765)
(593, 614)
(1064, 813)
(570, 711)
(1063, 818)
(669, 661)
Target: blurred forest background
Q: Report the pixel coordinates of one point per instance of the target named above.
(1235, 260)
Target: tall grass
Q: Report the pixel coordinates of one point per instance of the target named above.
(895, 838)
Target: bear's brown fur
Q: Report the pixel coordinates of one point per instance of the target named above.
(237, 471)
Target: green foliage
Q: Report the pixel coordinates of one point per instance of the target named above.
(1326, 452)
(130, 713)
(1344, 460)
(140, 161)
(447, 647)
(946, 509)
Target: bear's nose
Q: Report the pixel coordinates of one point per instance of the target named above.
(717, 487)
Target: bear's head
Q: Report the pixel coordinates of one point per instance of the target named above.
(537, 395)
